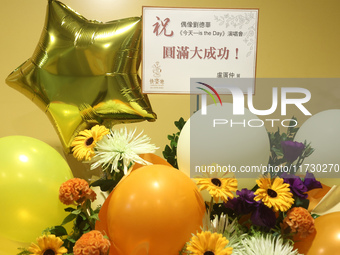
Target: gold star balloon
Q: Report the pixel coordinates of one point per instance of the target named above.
(84, 72)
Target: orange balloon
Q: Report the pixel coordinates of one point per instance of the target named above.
(327, 238)
(101, 224)
(153, 211)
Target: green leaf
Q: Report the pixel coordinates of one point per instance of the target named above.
(69, 209)
(167, 151)
(315, 216)
(170, 151)
(70, 239)
(277, 133)
(24, 251)
(180, 123)
(176, 138)
(83, 216)
(173, 144)
(277, 152)
(94, 217)
(105, 184)
(171, 161)
(301, 203)
(76, 212)
(165, 155)
(255, 188)
(69, 218)
(97, 209)
(58, 231)
(84, 226)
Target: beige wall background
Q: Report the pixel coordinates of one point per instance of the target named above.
(296, 39)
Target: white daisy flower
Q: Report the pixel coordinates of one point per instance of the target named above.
(267, 245)
(121, 145)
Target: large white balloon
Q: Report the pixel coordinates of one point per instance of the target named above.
(323, 131)
(234, 142)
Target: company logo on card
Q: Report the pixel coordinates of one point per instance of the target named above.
(156, 81)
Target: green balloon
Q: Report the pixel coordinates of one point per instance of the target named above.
(31, 173)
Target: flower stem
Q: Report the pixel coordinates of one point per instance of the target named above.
(300, 161)
(85, 210)
(211, 205)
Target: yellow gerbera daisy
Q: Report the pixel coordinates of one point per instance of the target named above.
(218, 187)
(274, 193)
(83, 145)
(207, 243)
(47, 245)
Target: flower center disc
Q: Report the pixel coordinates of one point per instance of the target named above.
(89, 141)
(217, 183)
(209, 253)
(272, 193)
(49, 252)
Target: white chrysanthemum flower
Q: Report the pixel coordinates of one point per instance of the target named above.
(121, 145)
(243, 244)
(267, 245)
(228, 229)
(218, 225)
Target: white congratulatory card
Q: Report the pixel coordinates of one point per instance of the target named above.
(183, 43)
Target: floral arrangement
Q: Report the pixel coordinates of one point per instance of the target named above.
(264, 220)
(83, 239)
(115, 151)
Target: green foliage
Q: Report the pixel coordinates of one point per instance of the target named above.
(109, 180)
(276, 152)
(108, 183)
(184, 250)
(315, 216)
(170, 152)
(83, 218)
(275, 138)
(298, 202)
(23, 251)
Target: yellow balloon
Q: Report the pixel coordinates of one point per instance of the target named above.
(31, 173)
(9, 247)
(84, 72)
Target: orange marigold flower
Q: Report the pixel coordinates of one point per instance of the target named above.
(300, 221)
(90, 243)
(75, 190)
